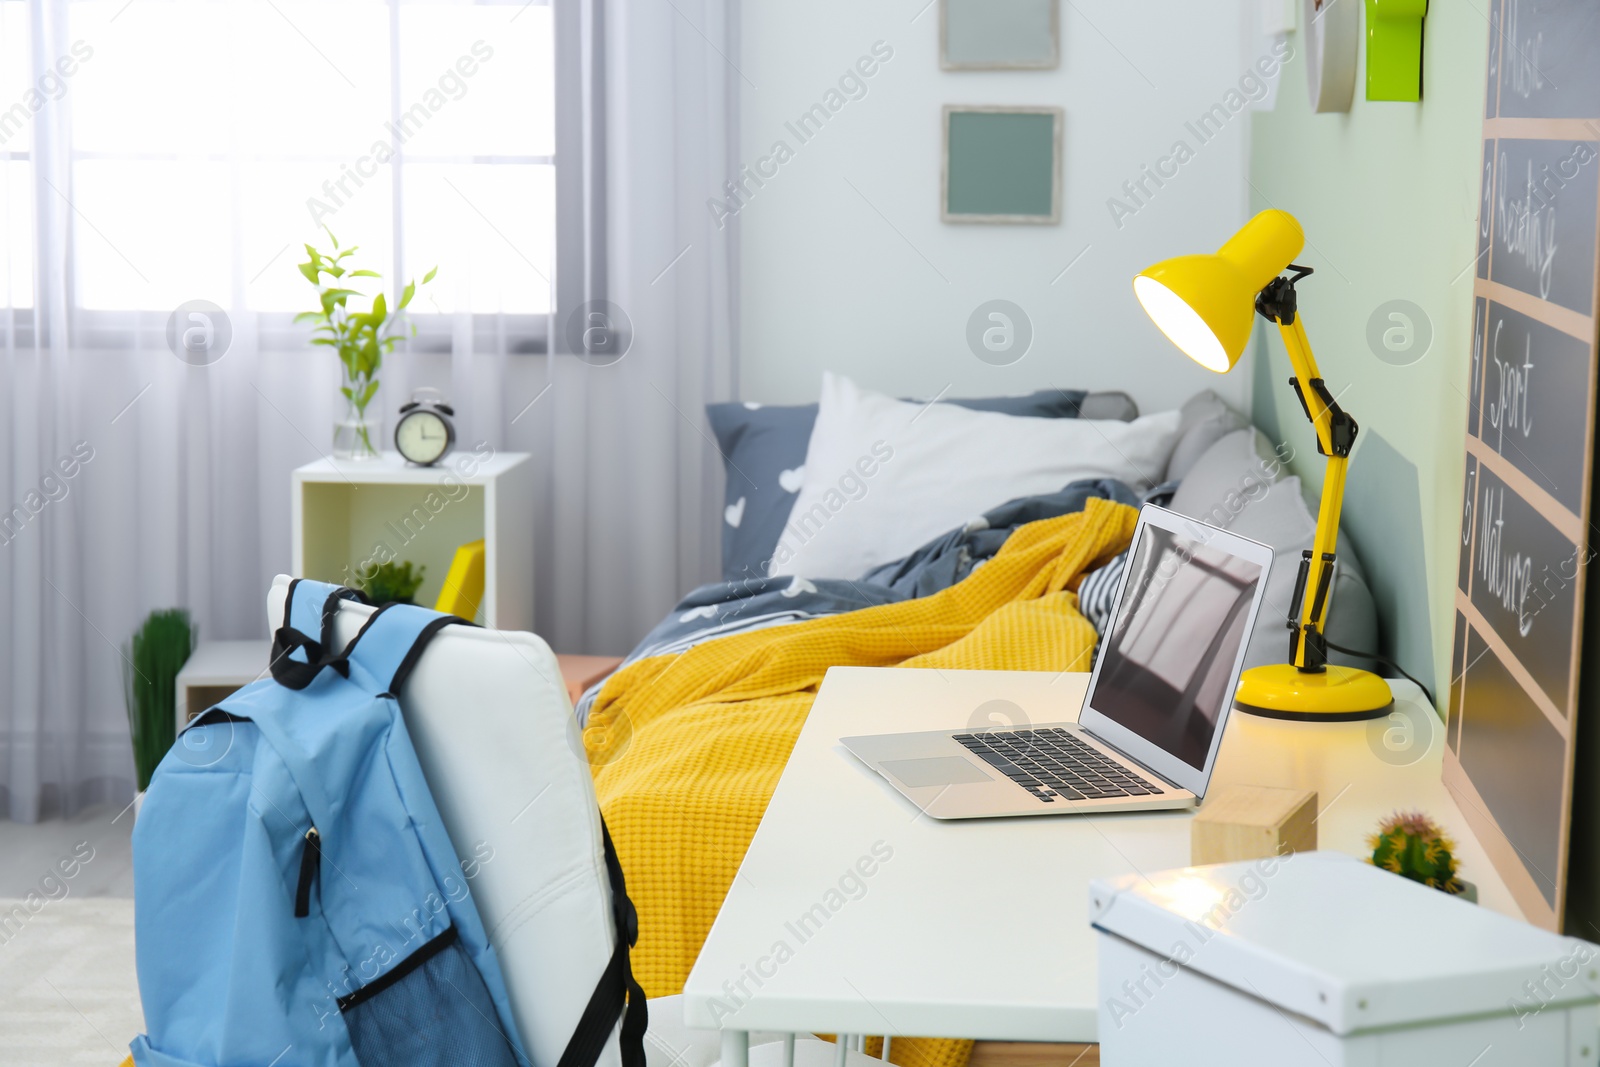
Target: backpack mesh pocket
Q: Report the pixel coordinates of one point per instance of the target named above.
(433, 1010)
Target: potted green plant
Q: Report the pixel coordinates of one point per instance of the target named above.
(151, 660)
(392, 583)
(361, 338)
(1412, 846)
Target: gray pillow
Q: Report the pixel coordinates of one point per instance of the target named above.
(1206, 419)
(1221, 482)
(764, 451)
(1237, 484)
(1281, 519)
(1109, 405)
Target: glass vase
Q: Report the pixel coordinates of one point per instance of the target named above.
(355, 437)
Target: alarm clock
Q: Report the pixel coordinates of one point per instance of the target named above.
(425, 432)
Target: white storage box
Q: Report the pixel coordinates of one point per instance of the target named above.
(1323, 960)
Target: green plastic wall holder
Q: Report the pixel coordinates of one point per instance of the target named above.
(1394, 49)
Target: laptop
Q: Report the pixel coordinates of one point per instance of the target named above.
(1152, 719)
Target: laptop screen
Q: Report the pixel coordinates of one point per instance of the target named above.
(1167, 664)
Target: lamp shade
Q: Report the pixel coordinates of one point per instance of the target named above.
(1206, 304)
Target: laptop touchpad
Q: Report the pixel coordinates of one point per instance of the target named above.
(935, 770)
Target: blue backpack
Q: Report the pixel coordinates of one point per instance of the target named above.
(297, 899)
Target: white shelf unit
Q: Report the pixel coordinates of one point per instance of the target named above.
(215, 671)
(347, 514)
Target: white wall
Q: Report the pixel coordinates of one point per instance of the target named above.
(867, 281)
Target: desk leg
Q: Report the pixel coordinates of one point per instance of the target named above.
(735, 1048)
(841, 1045)
(885, 1056)
(788, 1050)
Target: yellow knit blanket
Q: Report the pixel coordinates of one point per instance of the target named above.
(687, 749)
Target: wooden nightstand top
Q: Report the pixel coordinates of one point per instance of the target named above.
(580, 672)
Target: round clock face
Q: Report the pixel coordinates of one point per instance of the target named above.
(422, 437)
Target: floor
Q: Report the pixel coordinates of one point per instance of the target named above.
(67, 988)
(99, 838)
(66, 967)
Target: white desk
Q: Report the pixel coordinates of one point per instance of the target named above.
(979, 929)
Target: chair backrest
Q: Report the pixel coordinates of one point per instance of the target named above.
(493, 729)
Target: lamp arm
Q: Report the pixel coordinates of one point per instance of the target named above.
(1336, 434)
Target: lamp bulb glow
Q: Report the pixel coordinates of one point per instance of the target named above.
(1182, 325)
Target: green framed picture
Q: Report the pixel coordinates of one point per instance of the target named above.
(999, 34)
(1001, 164)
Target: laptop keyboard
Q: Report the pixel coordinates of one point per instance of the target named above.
(1052, 763)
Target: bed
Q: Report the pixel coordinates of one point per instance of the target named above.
(870, 531)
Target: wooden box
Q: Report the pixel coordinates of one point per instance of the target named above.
(1247, 822)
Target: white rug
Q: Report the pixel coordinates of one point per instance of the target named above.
(68, 993)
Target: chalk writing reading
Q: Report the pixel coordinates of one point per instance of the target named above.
(1506, 575)
(1527, 229)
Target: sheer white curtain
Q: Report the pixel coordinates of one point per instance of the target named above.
(130, 479)
(176, 161)
(634, 477)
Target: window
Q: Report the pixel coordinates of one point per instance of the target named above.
(210, 139)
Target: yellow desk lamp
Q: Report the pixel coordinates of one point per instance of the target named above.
(1206, 305)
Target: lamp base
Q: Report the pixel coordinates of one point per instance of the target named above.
(1337, 694)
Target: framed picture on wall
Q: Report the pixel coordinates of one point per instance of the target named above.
(999, 34)
(1001, 164)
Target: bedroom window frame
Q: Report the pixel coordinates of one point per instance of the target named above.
(128, 329)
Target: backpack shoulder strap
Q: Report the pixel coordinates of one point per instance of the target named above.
(389, 645)
(618, 993)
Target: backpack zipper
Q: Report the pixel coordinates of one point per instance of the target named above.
(310, 860)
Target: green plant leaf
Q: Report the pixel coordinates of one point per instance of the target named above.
(365, 274)
(308, 316)
(309, 270)
(325, 341)
(366, 396)
(345, 389)
(428, 277)
(380, 310)
(405, 297)
(152, 659)
(369, 357)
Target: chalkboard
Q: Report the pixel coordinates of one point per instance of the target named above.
(1509, 747)
(1544, 204)
(1517, 699)
(1535, 402)
(1522, 585)
(1480, 339)
(1546, 55)
(1458, 675)
(1485, 209)
(1469, 500)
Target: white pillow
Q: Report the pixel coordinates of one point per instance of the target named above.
(884, 476)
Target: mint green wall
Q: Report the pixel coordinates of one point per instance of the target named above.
(1387, 194)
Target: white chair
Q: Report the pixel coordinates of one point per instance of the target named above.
(493, 728)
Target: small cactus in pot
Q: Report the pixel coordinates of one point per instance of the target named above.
(1412, 846)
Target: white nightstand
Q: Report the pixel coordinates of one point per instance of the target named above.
(347, 514)
(214, 671)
